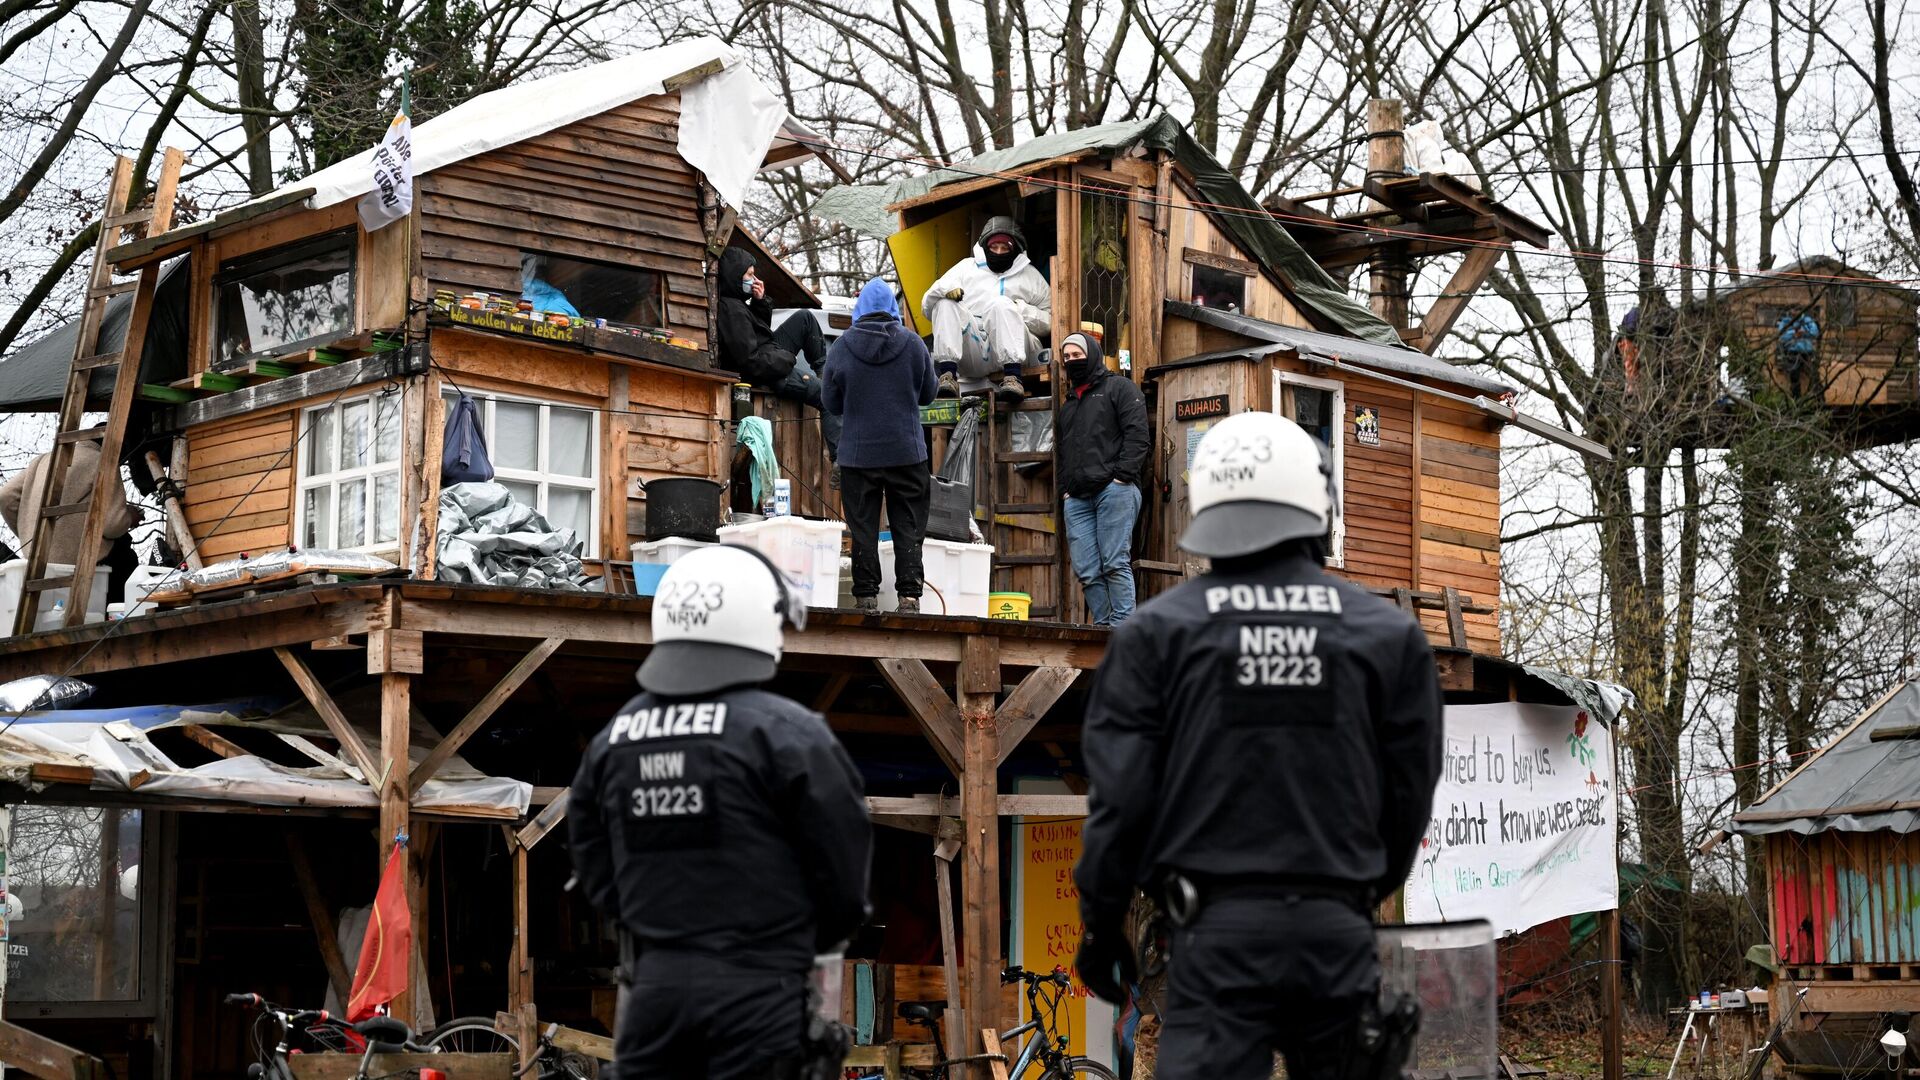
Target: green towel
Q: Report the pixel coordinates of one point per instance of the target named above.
(756, 434)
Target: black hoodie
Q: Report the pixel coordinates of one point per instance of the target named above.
(1103, 430)
(745, 326)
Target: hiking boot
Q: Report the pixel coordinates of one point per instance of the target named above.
(1010, 391)
(949, 386)
(909, 605)
(867, 605)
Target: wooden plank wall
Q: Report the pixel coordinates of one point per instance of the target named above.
(1871, 362)
(1379, 495)
(675, 431)
(240, 484)
(1189, 226)
(610, 188)
(1459, 530)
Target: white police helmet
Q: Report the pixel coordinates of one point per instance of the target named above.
(717, 622)
(1257, 480)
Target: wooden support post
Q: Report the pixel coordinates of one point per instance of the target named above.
(350, 743)
(550, 816)
(945, 848)
(325, 933)
(1387, 159)
(396, 709)
(38, 1056)
(480, 713)
(939, 720)
(1028, 703)
(1472, 273)
(980, 826)
(1612, 1060)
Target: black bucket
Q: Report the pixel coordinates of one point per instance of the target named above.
(683, 506)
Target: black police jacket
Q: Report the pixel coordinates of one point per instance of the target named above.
(1272, 721)
(732, 824)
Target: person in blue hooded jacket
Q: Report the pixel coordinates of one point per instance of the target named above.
(878, 375)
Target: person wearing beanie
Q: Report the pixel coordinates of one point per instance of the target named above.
(878, 376)
(989, 314)
(1102, 441)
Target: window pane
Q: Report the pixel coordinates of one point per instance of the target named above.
(569, 508)
(76, 873)
(317, 513)
(524, 493)
(355, 435)
(353, 514)
(570, 442)
(303, 296)
(618, 294)
(516, 435)
(386, 427)
(320, 442)
(1313, 410)
(386, 507)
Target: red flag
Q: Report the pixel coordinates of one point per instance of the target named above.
(387, 950)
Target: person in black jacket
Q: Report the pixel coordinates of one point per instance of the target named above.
(879, 376)
(725, 828)
(1103, 446)
(1262, 743)
(787, 360)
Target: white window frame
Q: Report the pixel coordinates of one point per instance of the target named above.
(540, 477)
(1337, 547)
(366, 471)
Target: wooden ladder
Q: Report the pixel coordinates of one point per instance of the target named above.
(87, 358)
(1041, 495)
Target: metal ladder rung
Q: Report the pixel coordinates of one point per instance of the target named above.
(44, 584)
(67, 509)
(112, 289)
(97, 360)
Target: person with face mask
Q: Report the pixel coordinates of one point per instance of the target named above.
(787, 360)
(1102, 448)
(989, 314)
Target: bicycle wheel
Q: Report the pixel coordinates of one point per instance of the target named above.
(1079, 1067)
(470, 1035)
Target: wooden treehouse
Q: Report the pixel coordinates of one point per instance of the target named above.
(1837, 838)
(287, 375)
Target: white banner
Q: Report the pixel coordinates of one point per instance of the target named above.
(1523, 822)
(392, 164)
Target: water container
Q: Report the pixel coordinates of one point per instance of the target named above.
(146, 580)
(13, 577)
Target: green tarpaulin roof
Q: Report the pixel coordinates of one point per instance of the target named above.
(863, 207)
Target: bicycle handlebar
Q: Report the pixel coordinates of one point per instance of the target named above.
(1016, 973)
(293, 1016)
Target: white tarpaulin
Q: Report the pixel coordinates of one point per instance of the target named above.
(1524, 820)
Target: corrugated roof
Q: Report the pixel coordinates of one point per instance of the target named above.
(1856, 783)
(1227, 203)
(1399, 360)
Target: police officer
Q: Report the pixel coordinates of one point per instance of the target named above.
(726, 829)
(1263, 743)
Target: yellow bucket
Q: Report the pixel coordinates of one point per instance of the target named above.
(1008, 605)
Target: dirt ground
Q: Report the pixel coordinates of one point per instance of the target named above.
(1569, 1050)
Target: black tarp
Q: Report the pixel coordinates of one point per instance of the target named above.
(34, 377)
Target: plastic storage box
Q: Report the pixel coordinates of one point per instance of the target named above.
(808, 551)
(958, 577)
(665, 552)
(13, 577)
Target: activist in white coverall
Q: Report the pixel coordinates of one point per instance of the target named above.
(989, 313)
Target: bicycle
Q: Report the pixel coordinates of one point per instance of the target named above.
(478, 1035)
(375, 1034)
(1045, 1043)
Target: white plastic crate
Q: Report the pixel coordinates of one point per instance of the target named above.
(807, 551)
(665, 552)
(958, 578)
(13, 577)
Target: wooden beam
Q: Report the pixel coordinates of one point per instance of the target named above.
(320, 917)
(830, 693)
(481, 712)
(544, 822)
(980, 832)
(214, 741)
(1028, 703)
(396, 650)
(936, 714)
(36, 1055)
(396, 722)
(336, 721)
(1466, 281)
(1004, 805)
(946, 846)
(1862, 997)
(369, 369)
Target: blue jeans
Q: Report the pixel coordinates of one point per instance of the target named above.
(1100, 541)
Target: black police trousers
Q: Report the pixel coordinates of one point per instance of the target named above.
(1253, 975)
(692, 1016)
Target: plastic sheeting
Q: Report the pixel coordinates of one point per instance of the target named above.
(488, 538)
(116, 745)
(1237, 214)
(1852, 772)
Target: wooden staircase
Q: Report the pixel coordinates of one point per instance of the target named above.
(87, 358)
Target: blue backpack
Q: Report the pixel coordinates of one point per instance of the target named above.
(464, 460)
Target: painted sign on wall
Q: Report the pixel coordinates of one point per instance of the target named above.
(1524, 820)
